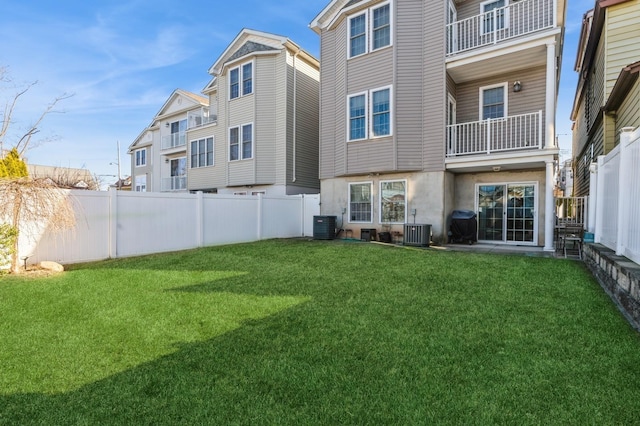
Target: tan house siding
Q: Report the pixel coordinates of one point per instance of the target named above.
(212, 176)
(622, 33)
(327, 149)
(268, 121)
(434, 86)
(629, 111)
(410, 76)
(306, 124)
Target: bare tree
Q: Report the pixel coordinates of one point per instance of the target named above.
(29, 204)
(24, 141)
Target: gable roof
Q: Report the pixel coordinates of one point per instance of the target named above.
(331, 12)
(193, 100)
(249, 42)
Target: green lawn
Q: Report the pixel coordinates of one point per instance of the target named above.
(316, 332)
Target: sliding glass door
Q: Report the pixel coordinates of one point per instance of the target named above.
(507, 213)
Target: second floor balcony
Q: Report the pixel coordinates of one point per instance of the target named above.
(500, 24)
(512, 133)
(201, 117)
(174, 140)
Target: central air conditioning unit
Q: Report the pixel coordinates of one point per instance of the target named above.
(324, 227)
(416, 234)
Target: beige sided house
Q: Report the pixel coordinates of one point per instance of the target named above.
(159, 153)
(265, 140)
(608, 96)
(428, 107)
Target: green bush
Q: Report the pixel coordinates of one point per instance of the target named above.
(8, 235)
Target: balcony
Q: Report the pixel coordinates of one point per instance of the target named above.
(513, 133)
(174, 183)
(174, 140)
(500, 24)
(200, 118)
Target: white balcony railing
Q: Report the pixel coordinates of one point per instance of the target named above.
(503, 23)
(516, 132)
(174, 183)
(200, 117)
(174, 140)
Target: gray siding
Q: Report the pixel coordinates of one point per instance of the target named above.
(306, 128)
(434, 85)
(269, 120)
(327, 104)
(530, 99)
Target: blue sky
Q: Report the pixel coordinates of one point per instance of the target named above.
(122, 60)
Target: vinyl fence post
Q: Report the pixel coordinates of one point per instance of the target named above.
(599, 199)
(113, 223)
(199, 219)
(260, 214)
(592, 199)
(623, 199)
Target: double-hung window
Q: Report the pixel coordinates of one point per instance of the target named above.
(358, 35)
(493, 101)
(241, 80)
(202, 153)
(381, 27)
(241, 142)
(369, 114)
(360, 202)
(141, 157)
(358, 117)
(370, 30)
(393, 207)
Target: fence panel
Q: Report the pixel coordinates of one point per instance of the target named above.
(609, 199)
(89, 241)
(155, 222)
(631, 203)
(118, 223)
(229, 219)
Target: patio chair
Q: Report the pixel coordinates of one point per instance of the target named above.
(570, 238)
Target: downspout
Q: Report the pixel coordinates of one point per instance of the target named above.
(295, 113)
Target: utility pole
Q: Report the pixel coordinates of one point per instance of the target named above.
(118, 164)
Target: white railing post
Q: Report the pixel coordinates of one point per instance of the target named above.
(495, 25)
(540, 129)
(599, 220)
(488, 141)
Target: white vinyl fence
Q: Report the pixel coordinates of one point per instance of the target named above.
(617, 197)
(119, 224)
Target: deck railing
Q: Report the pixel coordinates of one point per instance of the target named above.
(515, 132)
(174, 140)
(503, 23)
(174, 183)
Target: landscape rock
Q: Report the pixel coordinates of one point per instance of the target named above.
(51, 266)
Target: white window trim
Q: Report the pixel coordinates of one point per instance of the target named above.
(370, 112)
(366, 116)
(136, 157)
(240, 151)
(380, 198)
(506, 15)
(190, 154)
(370, 183)
(239, 67)
(370, 26)
(366, 34)
(505, 85)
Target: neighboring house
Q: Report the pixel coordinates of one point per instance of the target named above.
(159, 153)
(607, 98)
(430, 107)
(123, 184)
(255, 130)
(64, 177)
(265, 89)
(565, 179)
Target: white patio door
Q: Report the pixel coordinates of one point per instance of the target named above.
(507, 213)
